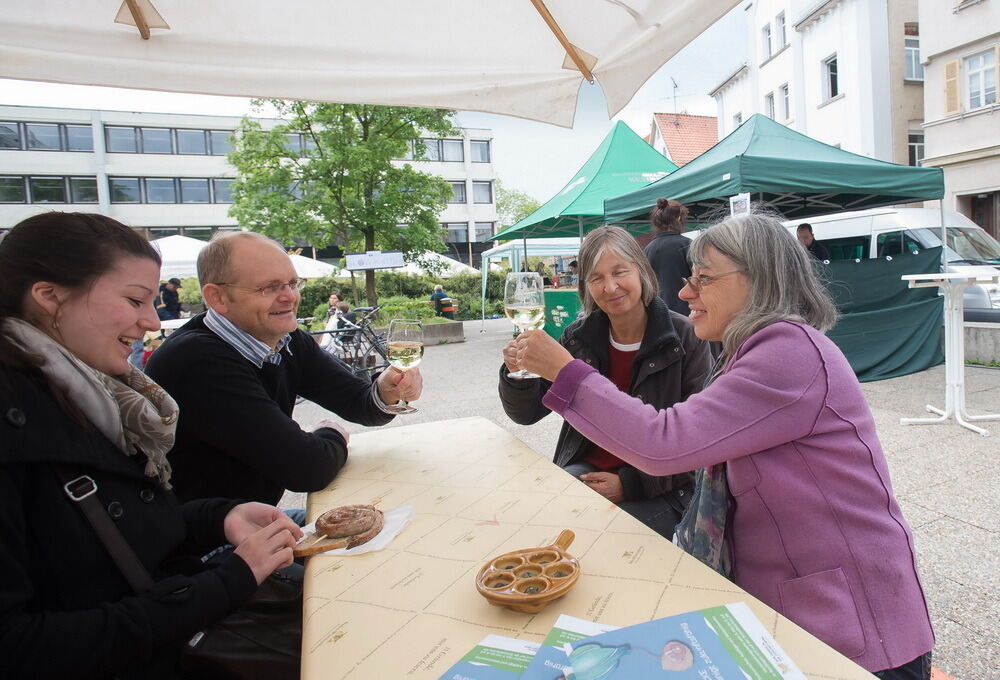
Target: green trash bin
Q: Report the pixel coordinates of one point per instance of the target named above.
(561, 309)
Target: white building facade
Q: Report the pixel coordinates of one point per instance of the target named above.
(835, 70)
(961, 52)
(166, 174)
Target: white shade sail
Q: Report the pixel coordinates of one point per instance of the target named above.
(180, 258)
(448, 267)
(501, 56)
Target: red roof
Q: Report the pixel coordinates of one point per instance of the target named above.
(686, 136)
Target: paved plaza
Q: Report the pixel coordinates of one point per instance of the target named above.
(943, 476)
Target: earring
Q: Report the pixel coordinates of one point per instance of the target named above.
(55, 324)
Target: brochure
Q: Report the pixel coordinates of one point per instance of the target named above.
(494, 658)
(551, 660)
(719, 643)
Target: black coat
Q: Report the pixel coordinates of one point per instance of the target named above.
(672, 364)
(667, 254)
(65, 609)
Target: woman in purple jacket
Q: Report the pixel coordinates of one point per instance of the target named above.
(793, 501)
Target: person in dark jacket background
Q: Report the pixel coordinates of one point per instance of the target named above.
(650, 352)
(667, 252)
(78, 289)
(168, 305)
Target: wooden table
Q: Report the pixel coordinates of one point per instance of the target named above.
(412, 610)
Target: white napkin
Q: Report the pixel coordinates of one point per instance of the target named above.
(395, 521)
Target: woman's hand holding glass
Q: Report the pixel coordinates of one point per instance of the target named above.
(537, 352)
(524, 305)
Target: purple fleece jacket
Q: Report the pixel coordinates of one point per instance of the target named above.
(816, 531)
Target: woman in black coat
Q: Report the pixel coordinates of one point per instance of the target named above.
(667, 252)
(77, 290)
(650, 352)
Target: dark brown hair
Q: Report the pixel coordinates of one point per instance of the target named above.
(68, 249)
(669, 215)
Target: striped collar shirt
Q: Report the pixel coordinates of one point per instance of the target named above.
(249, 347)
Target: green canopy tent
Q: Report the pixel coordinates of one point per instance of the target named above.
(622, 162)
(781, 168)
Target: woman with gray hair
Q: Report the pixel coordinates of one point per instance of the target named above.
(793, 499)
(629, 335)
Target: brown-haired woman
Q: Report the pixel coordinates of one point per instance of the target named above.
(667, 252)
(77, 290)
(630, 336)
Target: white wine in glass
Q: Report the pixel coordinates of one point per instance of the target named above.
(524, 305)
(405, 349)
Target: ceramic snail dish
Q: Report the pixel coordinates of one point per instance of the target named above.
(528, 580)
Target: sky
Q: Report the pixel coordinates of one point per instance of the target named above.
(536, 158)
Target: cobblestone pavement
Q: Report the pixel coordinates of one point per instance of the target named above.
(944, 477)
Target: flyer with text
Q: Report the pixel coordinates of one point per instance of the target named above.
(719, 643)
(494, 658)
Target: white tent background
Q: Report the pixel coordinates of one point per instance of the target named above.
(525, 59)
(180, 259)
(447, 267)
(514, 251)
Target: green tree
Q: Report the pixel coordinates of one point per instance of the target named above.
(513, 205)
(325, 174)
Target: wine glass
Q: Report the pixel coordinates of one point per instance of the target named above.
(405, 349)
(524, 304)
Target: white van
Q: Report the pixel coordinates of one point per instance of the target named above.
(891, 231)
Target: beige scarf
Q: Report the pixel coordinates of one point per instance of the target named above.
(131, 410)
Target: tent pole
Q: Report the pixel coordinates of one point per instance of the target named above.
(579, 222)
(524, 238)
(485, 264)
(944, 232)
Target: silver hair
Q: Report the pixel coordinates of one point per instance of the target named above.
(622, 244)
(783, 283)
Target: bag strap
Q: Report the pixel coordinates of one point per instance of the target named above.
(82, 491)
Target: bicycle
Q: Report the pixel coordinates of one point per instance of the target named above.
(357, 345)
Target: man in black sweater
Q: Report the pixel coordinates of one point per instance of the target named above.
(804, 232)
(235, 372)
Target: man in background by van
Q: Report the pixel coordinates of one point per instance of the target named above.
(806, 238)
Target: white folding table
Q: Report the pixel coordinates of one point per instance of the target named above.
(953, 287)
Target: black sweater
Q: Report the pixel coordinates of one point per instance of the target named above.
(235, 436)
(667, 254)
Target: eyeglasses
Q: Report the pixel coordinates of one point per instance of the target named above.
(701, 280)
(272, 289)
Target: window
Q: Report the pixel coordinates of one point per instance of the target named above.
(831, 85)
(458, 232)
(293, 143)
(432, 150)
(47, 189)
(786, 104)
(914, 69)
(10, 136)
(12, 190)
(156, 140)
(452, 150)
(737, 120)
(79, 138)
(457, 192)
(191, 142)
(850, 248)
(222, 189)
(482, 192)
(483, 231)
(915, 146)
(42, 137)
(221, 144)
(779, 28)
(200, 233)
(981, 79)
(160, 190)
(83, 189)
(765, 41)
(163, 232)
(124, 189)
(769, 105)
(480, 149)
(120, 139)
(194, 190)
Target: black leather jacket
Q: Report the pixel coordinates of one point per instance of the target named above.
(671, 365)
